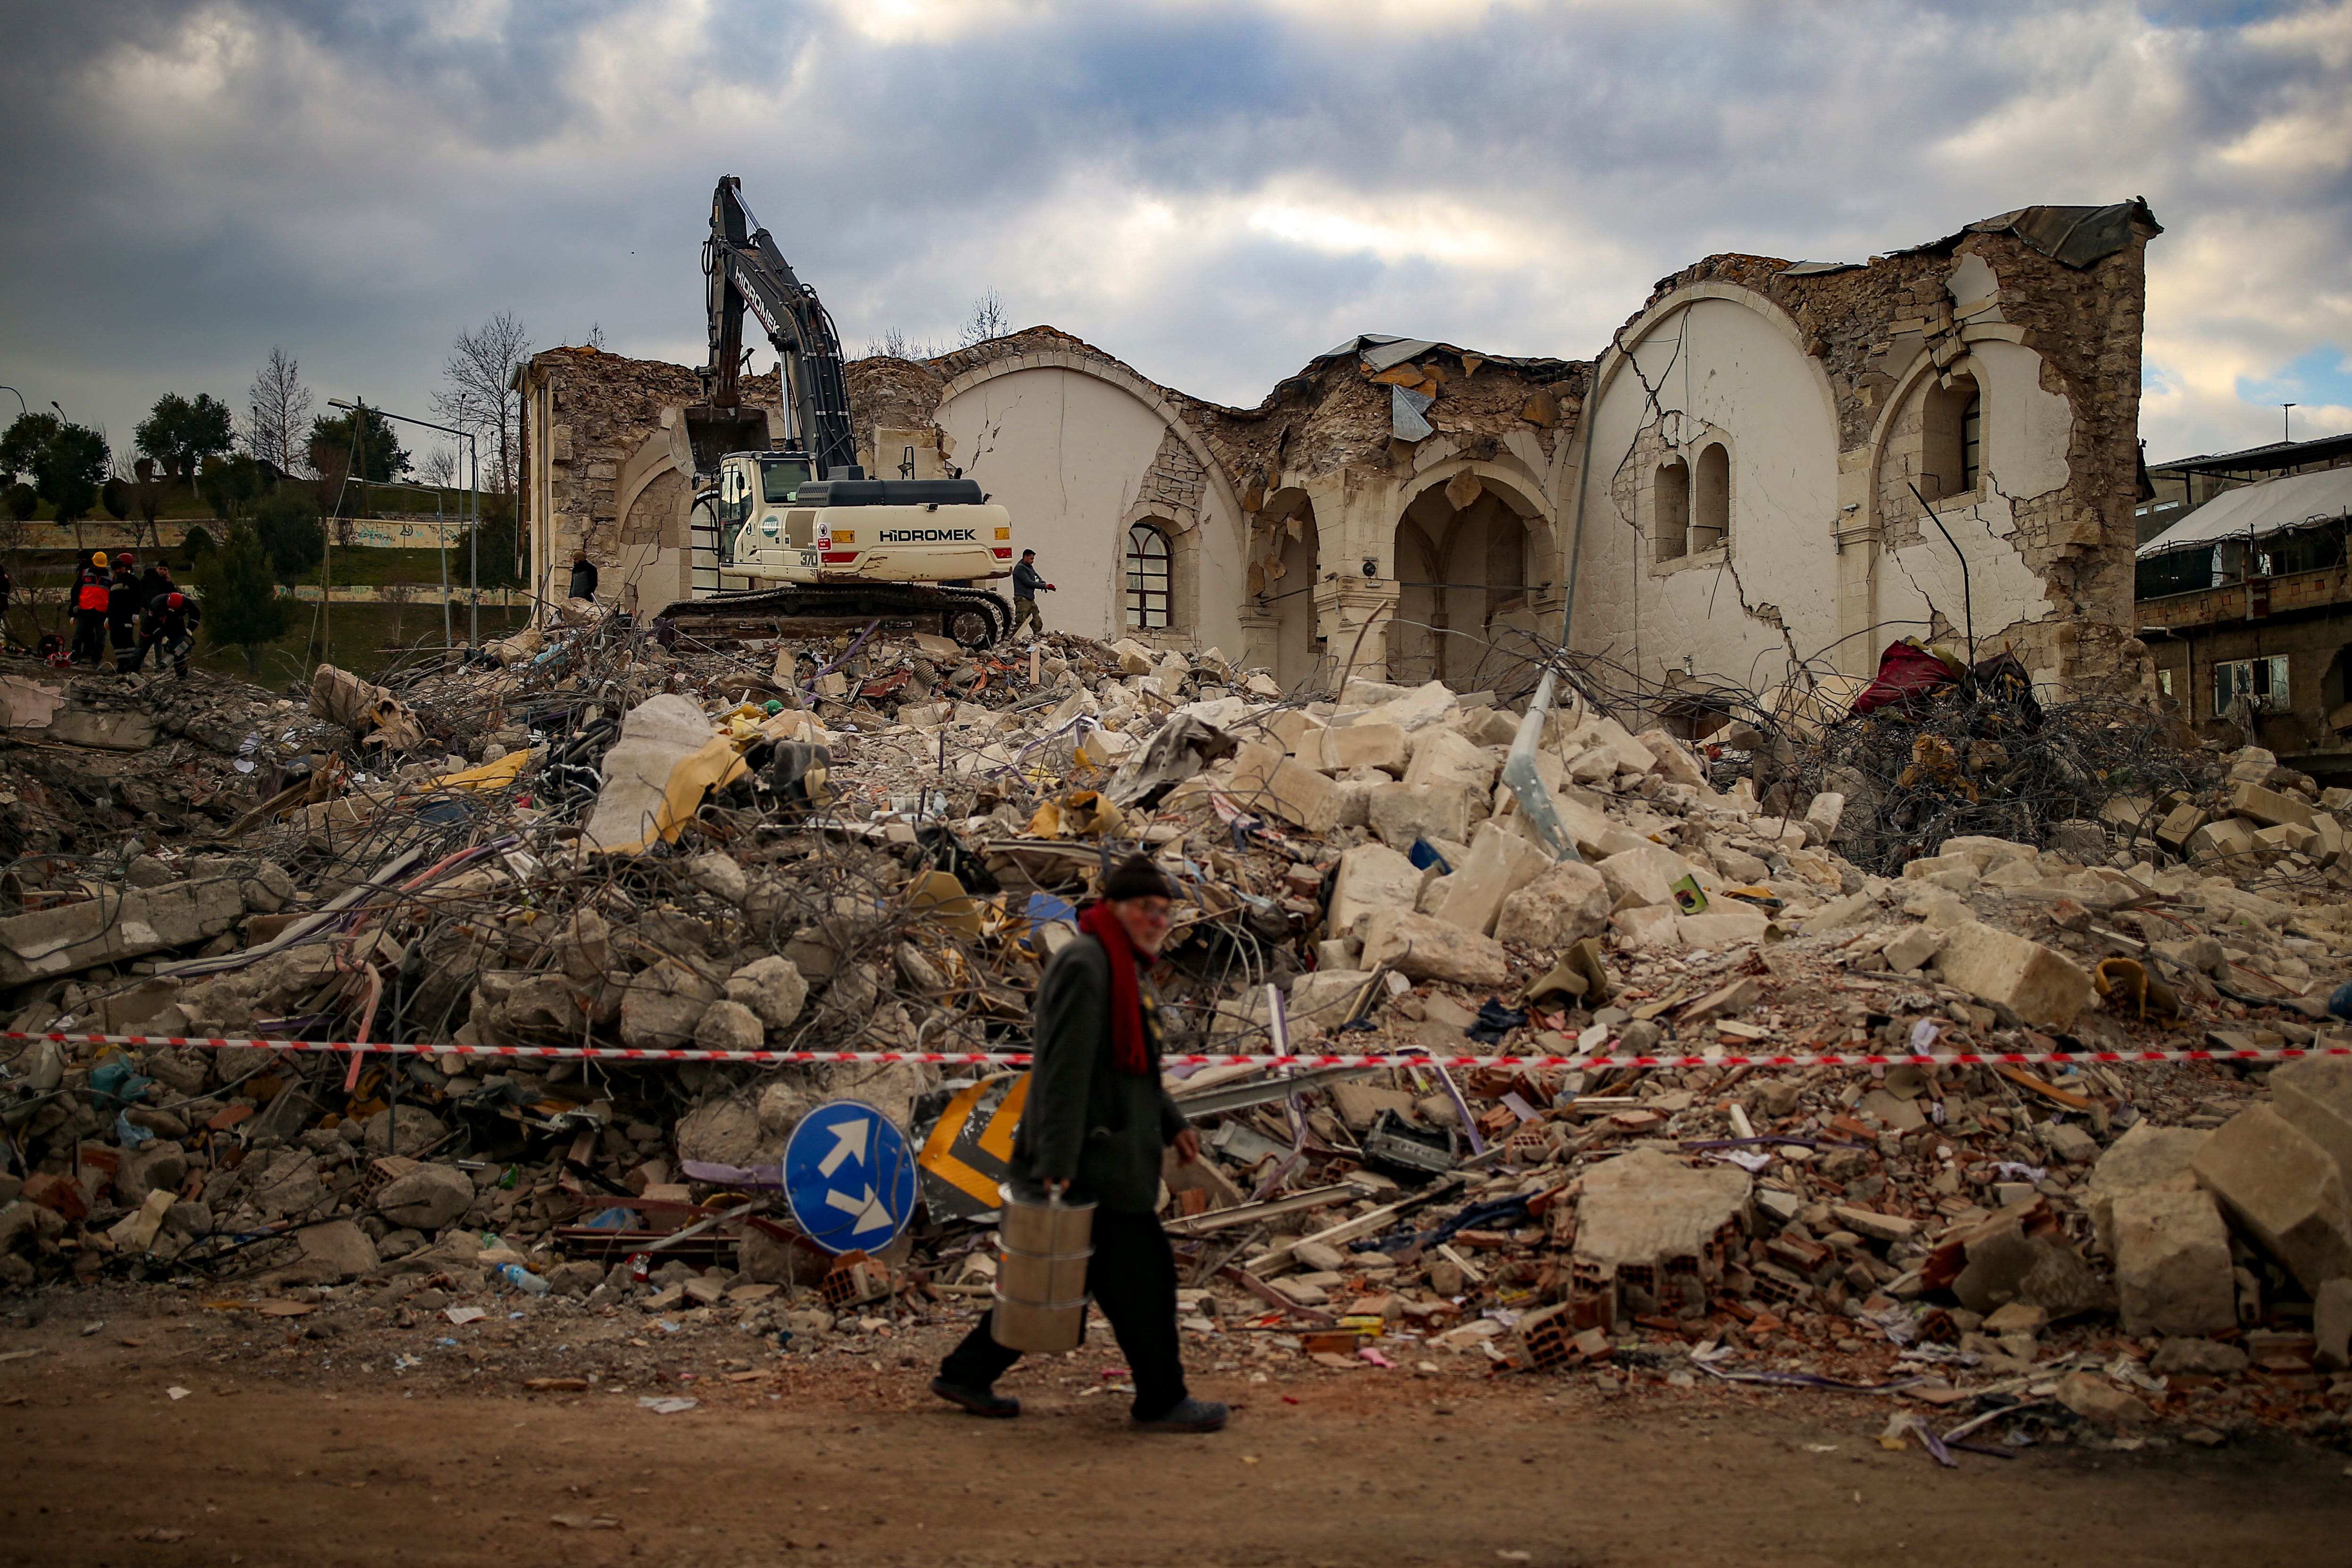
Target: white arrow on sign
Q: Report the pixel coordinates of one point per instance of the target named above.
(871, 1214)
(849, 1143)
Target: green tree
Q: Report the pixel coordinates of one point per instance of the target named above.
(20, 449)
(180, 434)
(70, 469)
(242, 609)
(360, 443)
(232, 485)
(287, 524)
(197, 545)
(20, 501)
(115, 496)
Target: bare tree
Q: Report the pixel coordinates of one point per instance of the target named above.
(895, 344)
(278, 417)
(596, 336)
(480, 365)
(439, 467)
(987, 321)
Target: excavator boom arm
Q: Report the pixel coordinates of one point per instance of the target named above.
(745, 269)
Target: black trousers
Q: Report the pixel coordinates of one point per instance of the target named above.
(90, 636)
(1132, 1278)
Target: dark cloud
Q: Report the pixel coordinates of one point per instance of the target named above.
(1212, 190)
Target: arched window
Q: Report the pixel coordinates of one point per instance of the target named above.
(1711, 505)
(1951, 440)
(1147, 577)
(1671, 519)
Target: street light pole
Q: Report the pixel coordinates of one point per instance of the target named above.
(21, 410)
(474, 531)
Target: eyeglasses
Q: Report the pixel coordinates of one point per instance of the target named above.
(1154, 910)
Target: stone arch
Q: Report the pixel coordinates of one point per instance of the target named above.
(1635, 332)
(1460, 557)
(1108, 371)
(1285, 565)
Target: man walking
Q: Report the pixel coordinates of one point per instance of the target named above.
(1026, 582)
(93, 593)
(1095, 1128)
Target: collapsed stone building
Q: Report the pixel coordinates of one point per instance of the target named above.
(1773, 470)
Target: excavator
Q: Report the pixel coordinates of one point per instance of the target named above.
(797, 540)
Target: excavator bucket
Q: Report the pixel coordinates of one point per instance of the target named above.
(713, 432)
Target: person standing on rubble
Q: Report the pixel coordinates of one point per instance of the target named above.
(1026, 582)
(93, 593)
(122, 604)
(1094, 1129)
(156, 580)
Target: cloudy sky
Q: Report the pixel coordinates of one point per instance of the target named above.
(1213, 190)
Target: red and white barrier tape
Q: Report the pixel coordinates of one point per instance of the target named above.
(1334, 1059)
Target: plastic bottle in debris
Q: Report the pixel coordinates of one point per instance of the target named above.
(522, 1280)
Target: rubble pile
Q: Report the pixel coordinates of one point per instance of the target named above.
(603, 839)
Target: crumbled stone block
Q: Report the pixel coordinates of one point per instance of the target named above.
(2149, 1158)
(2173, 1274)
(2038, 985)
(2315, 1096)
(1499, 864)
(1382, 746)
(1421, 947)
(1370, 877)
(1558, 909)
(2270, 808)
(2282, 1191)
(1264, 779)
(1399, 813)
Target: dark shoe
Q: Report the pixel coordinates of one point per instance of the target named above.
(1192, 1416)
(978, 1401)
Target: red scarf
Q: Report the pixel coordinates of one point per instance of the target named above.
(1127, 1042)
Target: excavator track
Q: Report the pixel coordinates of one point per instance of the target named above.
(971, 616)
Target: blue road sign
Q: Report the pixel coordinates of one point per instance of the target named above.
(849, 1178)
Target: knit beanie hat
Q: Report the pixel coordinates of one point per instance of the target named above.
(1136, 877)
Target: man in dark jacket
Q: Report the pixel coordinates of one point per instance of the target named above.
(156, 580)
(1026, 582)
(122, 604)
(1095, 1126)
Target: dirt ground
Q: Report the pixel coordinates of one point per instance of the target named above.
(383, 1445)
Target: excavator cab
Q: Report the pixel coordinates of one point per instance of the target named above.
(749, 485)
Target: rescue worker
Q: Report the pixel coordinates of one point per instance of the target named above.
(1095, 1125)
(170, 626)
(122, 606)
(1026, 582)
(156, 580)
(93, 593)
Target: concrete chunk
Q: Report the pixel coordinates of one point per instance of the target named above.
(1657, 1230)
(2315, 1096)
(1447, 757)
(1499, 864)
(1370, 877)
(2282, 1191)
(2173, 1274)
(2038, 985)
(1265, 780)
(1422, 948)
(2271, 808)
(1647, 875)
(1558, 909)
(2149, 1158)
(1380, 746)
(1399, 813)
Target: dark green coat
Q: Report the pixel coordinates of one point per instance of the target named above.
(1103, 1131)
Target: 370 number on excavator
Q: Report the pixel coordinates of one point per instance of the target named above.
(797, 540)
